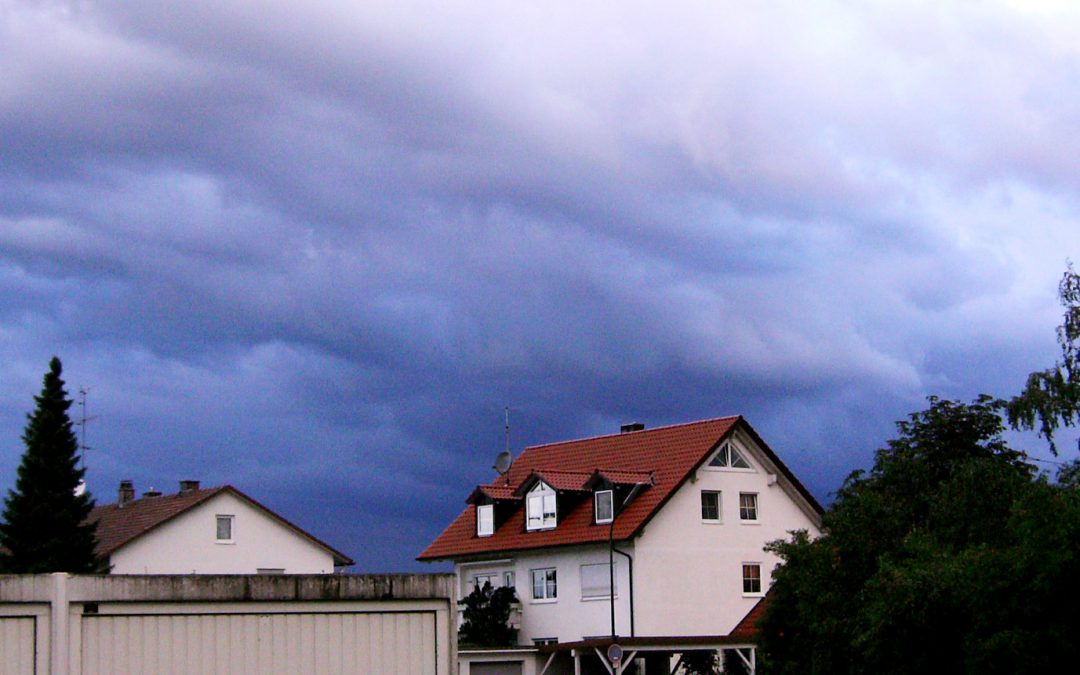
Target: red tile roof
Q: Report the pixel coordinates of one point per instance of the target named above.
(118, 525)
(669, 453)
(747, 629)
(559, 480)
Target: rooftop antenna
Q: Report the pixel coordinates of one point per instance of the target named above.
(504, 458)
(81, 422)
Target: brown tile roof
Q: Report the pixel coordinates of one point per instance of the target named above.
(559, 480)
(118, 525)
(669, 453)
(747, 629)
(502, 491)
(625, 477)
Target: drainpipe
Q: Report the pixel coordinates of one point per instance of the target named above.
(630, 566)
(611, 557)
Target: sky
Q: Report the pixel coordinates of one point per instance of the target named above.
(314, 249)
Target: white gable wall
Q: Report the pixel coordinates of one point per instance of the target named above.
(688, 573)
(188, 544)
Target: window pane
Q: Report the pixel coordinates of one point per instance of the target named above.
(721, 458)
(545, 586)
(224, 528)
(549, 510)
(603, 506)
(748, 506)
(535, 506)
(710, 505)
(751, 578)
(485, 520)
(737, 460)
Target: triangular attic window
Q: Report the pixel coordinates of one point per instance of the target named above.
(728, 456)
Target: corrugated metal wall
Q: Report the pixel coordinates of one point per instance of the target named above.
(372, 643)
(17, 645)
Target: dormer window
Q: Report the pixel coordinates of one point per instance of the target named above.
(729, 457)
(485, 520)
(604, 506)
(540, 507)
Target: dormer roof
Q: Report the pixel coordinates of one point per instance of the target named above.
(573, 481)
(484, 493)
(669, 454)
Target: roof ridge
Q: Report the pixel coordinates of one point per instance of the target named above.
(636, 434)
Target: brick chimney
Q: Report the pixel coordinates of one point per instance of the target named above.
(187, 486)
(126, 493)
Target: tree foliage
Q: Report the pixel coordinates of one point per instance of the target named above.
(1051, 398)
(487, 617)
(44, 527)
(950, 555)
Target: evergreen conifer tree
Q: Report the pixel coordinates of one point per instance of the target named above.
(44, 525)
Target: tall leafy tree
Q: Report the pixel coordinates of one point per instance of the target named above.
(950, 555)
(1051, 397)
(44, 528)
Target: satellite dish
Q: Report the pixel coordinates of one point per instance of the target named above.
(502, 462)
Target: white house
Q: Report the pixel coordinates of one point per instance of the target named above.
(216, 530)
(687, 509)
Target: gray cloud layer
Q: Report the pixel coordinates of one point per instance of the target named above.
(314, 248)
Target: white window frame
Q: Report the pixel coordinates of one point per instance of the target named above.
(604, 569)
(724, 451)
(719, 507)
(485, 520)
(541, 508)
(478, 580)
(549, 586)
(610, 494)
(746, 511)
(508, 579)
(744, 568)
(225, 518)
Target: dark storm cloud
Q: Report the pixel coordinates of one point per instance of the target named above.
(314, 249)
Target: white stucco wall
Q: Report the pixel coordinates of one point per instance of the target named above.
(188, 544)
(689, 572)
(569, 618)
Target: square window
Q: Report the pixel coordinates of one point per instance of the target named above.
(748, 506)
(485, 520)
(604, 502)
(224, 528)
(710, 505)
(596, 581)
(545, 584)
(751, 579)
(540, 508)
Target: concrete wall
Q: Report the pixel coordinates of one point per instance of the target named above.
(63, 625)
(188, 545)
(689, 572)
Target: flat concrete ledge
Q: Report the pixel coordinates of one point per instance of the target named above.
(230, 588)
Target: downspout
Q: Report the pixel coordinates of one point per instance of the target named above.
(630, 566)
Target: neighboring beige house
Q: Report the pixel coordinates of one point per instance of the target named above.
(217, 530)
(688, 508)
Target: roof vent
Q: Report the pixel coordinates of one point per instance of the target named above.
(126, 493)
(187, 486)
(633, 426)
(152, 493)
